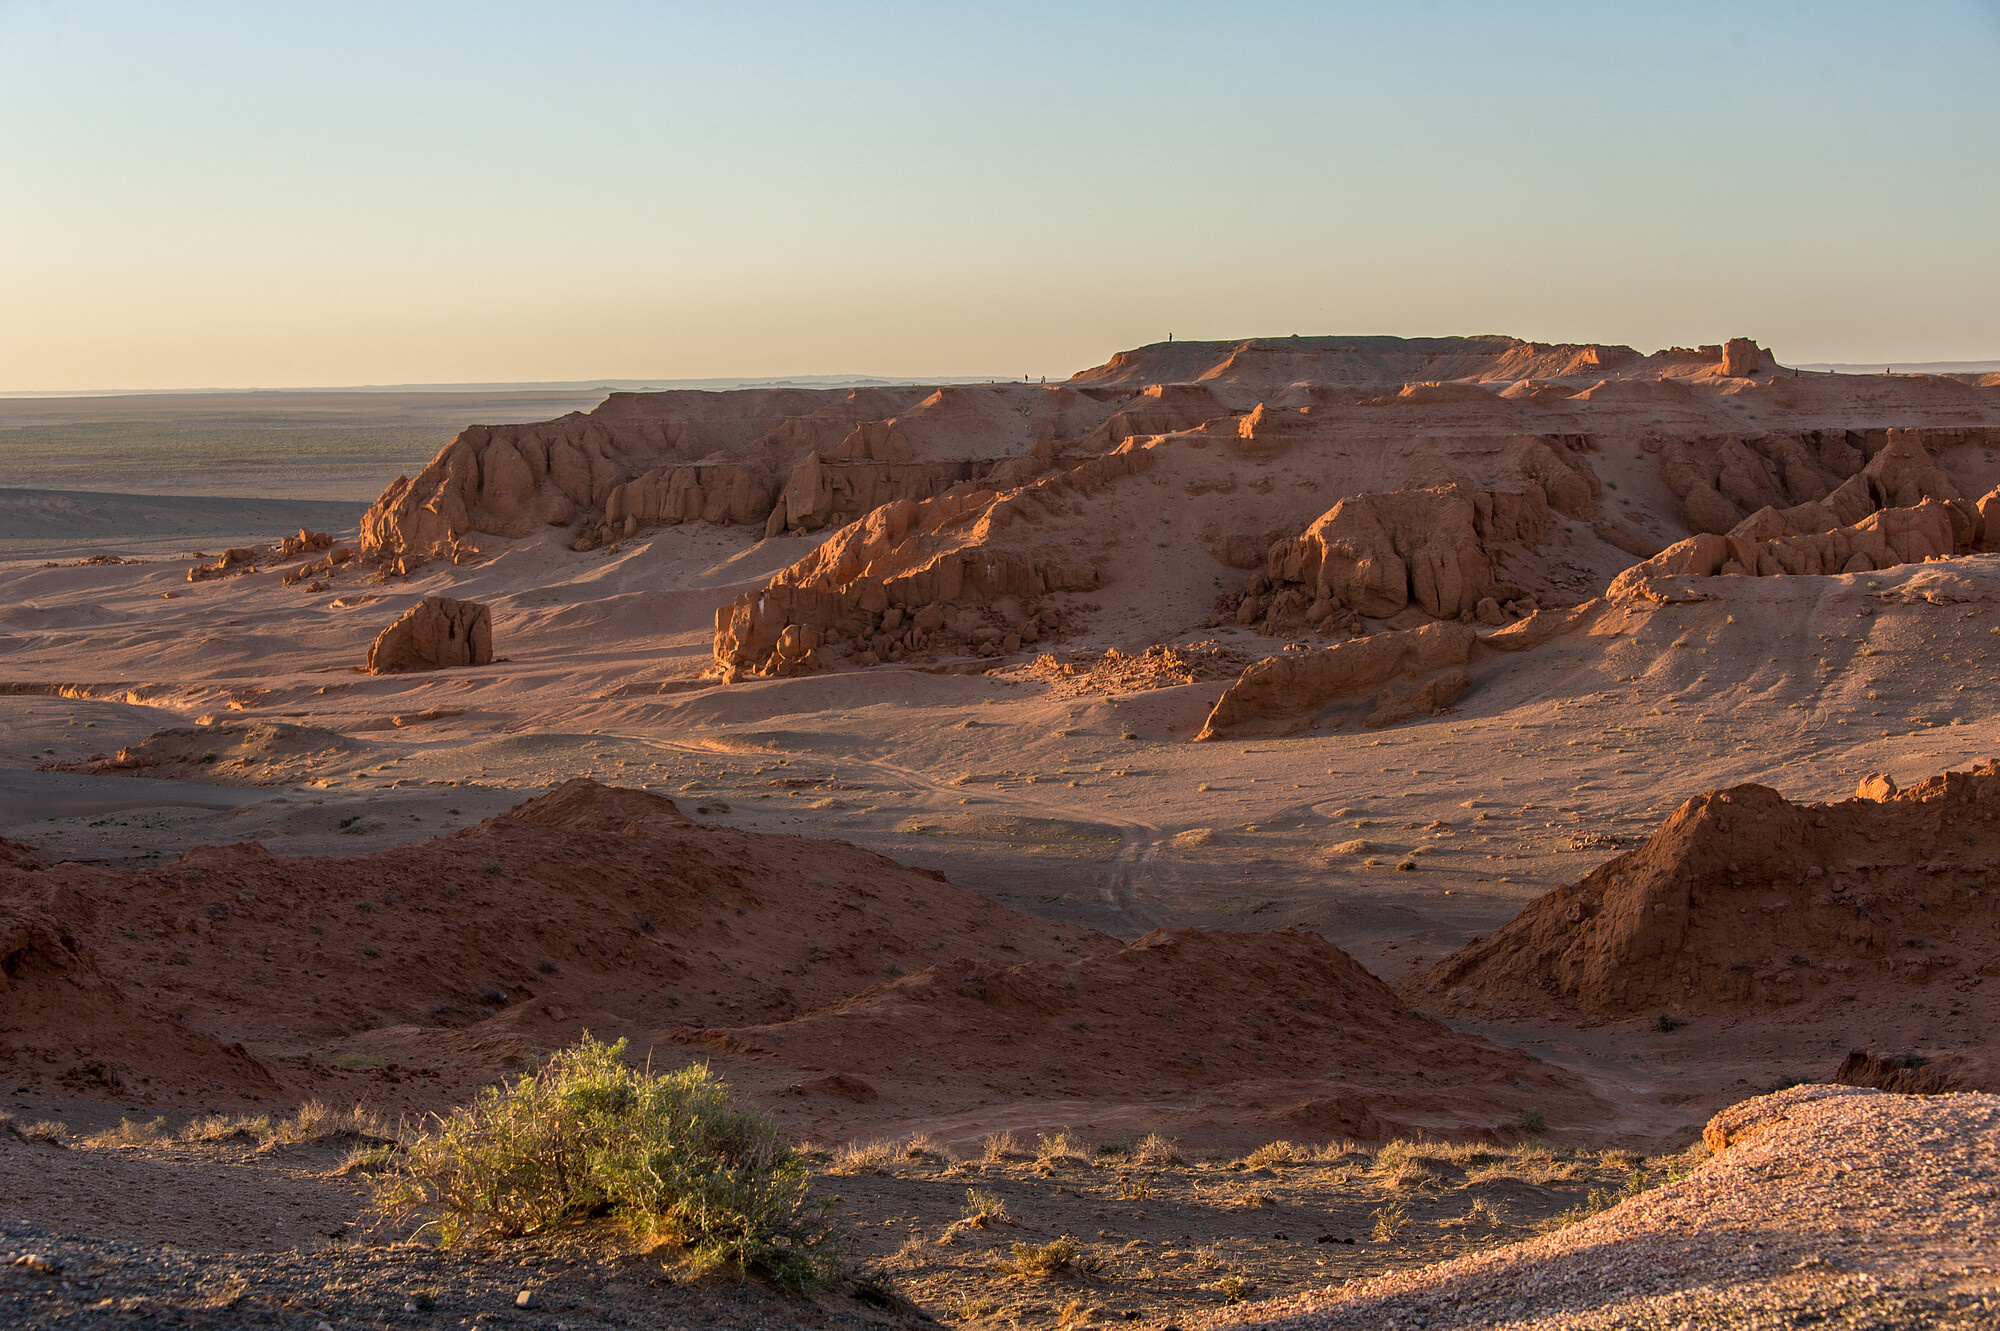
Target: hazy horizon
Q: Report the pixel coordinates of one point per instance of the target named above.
(499, 194)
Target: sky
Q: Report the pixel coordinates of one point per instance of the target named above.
(234, 195)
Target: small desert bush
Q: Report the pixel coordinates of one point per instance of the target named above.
(1060, 1256)
(1390, 1221)
(665, 1154)
(1480, 1216)
(1394, 1155)
(1194, 836)
(1153, 1149)
(1333, 1153)
(1232, 1287)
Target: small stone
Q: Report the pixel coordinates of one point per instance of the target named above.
(526, 1299)
(37, 1263)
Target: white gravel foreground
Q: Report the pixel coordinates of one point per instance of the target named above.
(1828, 1206)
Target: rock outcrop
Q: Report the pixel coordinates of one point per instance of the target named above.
(1881, 540)
(243, 559)
(1721, 480)
(1741, 358)
(921, 576)
(1413, 672)
(437, 633)
(1744, 900)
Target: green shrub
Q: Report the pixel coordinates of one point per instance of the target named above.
(587, 1136)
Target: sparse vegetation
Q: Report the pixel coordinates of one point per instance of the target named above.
(1060, 1148)
(130, 1133)
(665, 1154)
(47, 1131)
(1059, 1256)
(999, 1147)
(983, 1209)
(1389, 1222)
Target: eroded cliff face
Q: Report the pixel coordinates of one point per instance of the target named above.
(923, 576)
(1363, 484)
(1744, 900)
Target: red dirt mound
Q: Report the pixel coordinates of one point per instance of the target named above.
(62, 1022)
(588, 906)
(1743, 901)
(1281, 1033)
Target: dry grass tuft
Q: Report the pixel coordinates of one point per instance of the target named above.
(927, 1148)
(47, 1131)
(1060, 1256)
(1060, 1148)
(1153, 1149)
(1233, 1287)
(205, 1129)
(1390, 1222)
(1276, 1153)
(1000, 1147)
(1194, 836)
(983, 1209)
(314, 1121)
(856, 1158)
(130, 1133)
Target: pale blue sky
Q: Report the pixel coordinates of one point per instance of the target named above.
(260, 194)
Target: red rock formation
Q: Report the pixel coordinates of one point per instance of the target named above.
(1743, 900)
(910, 560)
(1881, 540)
(1741, 357)
(1281, 695)
(437, 633)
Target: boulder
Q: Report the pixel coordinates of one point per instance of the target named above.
(438, 633)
